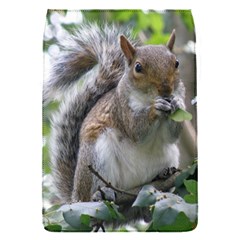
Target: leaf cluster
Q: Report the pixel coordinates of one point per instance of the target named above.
(169, 211)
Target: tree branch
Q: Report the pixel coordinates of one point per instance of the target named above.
(160, 184)
(126, 197)
(108, 184)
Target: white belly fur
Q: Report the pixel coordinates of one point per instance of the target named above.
(126, 164)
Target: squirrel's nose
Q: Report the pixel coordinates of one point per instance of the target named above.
(166, 89)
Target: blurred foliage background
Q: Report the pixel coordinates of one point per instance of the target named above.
(151, 27)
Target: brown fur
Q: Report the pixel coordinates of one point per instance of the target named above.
(158, 69)
(112, 111)
(98, 119)
(152, 114)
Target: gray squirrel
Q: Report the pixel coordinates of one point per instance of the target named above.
(118, 121)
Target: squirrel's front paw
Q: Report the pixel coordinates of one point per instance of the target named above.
(167, 172)
(104, 193)
(168, 105)
(176, 103)
(162, 104)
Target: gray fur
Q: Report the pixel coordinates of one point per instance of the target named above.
(88, 46)
(93, 54)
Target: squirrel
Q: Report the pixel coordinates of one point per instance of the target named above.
(118, 121)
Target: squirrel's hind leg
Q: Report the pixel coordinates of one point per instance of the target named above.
(83, 179)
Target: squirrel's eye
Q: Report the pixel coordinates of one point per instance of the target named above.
(138, 67)
(176, 64)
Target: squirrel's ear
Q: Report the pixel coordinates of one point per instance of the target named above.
(127, 48)
(171, 40)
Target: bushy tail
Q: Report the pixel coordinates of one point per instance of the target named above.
(90, 48)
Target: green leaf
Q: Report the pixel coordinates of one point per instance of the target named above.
(72, 212)
(85, 223)
(180, 115)
(166, 211)
(53, 228)
(191, 186)
(185, 174)
(85, 219)
(163, 215)
(52, 216)
(147, 196)
(189, 198)
(53, 208)
(182, 223)
(113, 209)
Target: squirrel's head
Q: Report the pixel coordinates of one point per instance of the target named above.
(152, 67)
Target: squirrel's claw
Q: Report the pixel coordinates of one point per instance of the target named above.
(176, 103)
(167, 172)
(162, 104)
(104, 193)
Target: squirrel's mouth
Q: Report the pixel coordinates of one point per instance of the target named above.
(168, 99)
(165, 91)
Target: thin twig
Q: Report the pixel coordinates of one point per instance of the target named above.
(108, 184)
(97, 226)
